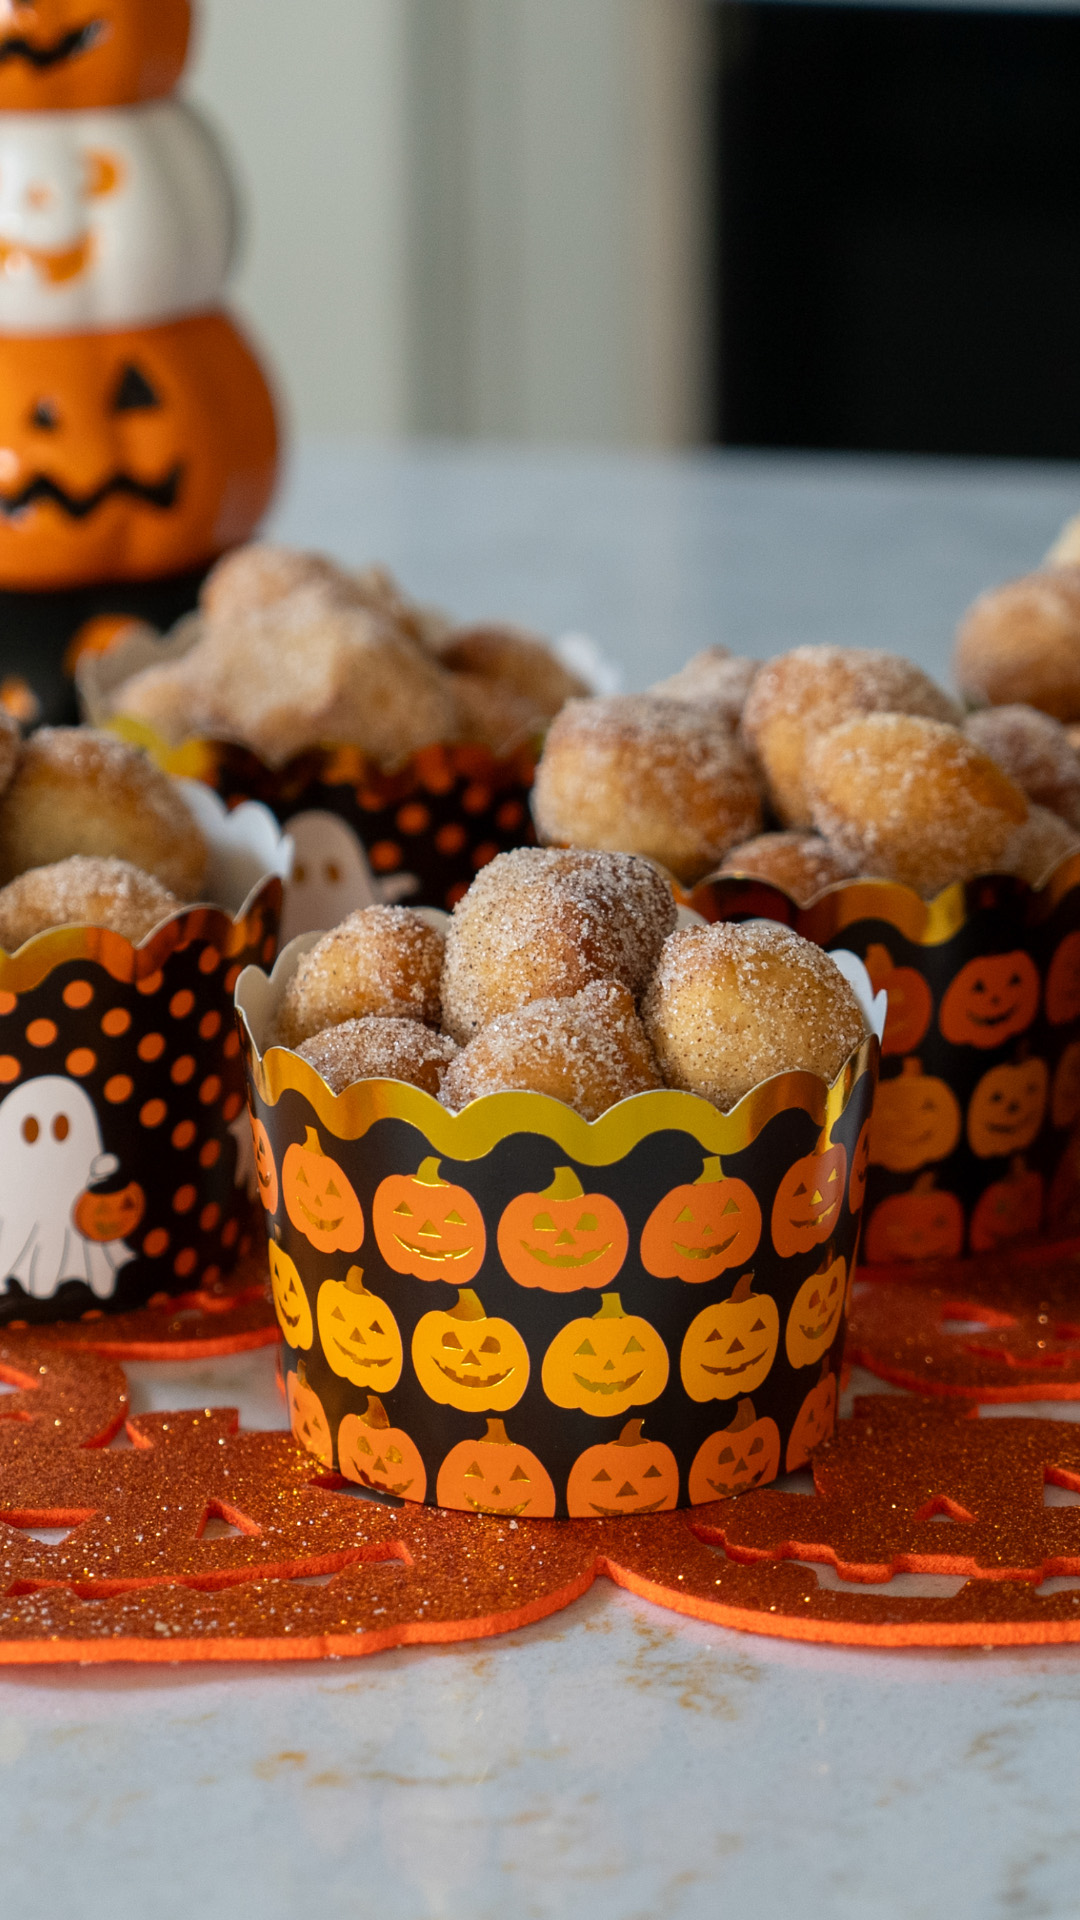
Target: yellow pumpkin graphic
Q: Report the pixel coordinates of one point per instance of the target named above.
(815, 1314)
(359, 1334)
(731, 1344)
(464, 1359)
(290, 1300)
(605, 1363)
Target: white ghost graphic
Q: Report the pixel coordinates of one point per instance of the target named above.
(331, 876)
(50, 1152)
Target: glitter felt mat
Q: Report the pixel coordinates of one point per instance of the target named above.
(233, 1316)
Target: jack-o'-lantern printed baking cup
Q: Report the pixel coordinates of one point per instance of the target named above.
(416, 835)
(125, 1155)
(980, 1077)
(513, 1310)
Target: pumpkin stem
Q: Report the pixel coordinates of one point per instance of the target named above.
(354, 1280)
(744, 1286)
(468, 1306)
(565, 1186)
(427, 1175)
(610, 1308)
(376, 1415)
(496, 1432)
(744, 1417)
(312, 1143)
(301, 1374)
(912, 1068)
(711, 1171)
(631, 1435)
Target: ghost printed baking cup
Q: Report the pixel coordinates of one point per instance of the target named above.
(513, 1310)
(125, 1153)
(416, 834)
(979, 1097)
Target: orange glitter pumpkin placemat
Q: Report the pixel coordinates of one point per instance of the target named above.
(199, 1542)
(234, 1315)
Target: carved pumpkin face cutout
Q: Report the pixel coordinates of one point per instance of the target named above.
(290, 1300)
(1009, 1209)
(110, 1216)
(916, 1120)
(809, 1199)
(90, 53)
(911, 1003)
(730, 1347)
(126, 455)
(359, 1335)
(607, 1363)
(921, 1225)
(319, 1198)
(429, 1228)
(815, 1314)
(495, 1475)
(464, 1359)
(265, 1171)
(814, 1423)
(1007, 1108)
(374, 1454)
(563, 1238)
(627, 1475)
(307, 1418)
(701, 1230)
(745, 1454)
(991, 1000)
(1063, 983)
(1065, 1094)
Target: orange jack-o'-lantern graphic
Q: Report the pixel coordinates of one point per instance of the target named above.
(319, 1198)
(495, 1475)
(814, 1423)
(265, 1171)
(808, 1199)
(379, 1456)
(1065, 1092)
(911, 1002)
(731, 1345)
(127, 455)
(360, 1337)
(109, 1216)
(307, 1417)
(1007, 1107)
(1063, 982)
(924, 1224)
(991, 1000)
(627, 1475)
(290, 1300)
(563, 1238)
(699, 1230)
(744, 1454)
(90, 53)
(1008, 1209)
(860, 1166)
(429, 1228)
(465, 1359)
(916, 1119)
(606, 1363)
(815, 1314)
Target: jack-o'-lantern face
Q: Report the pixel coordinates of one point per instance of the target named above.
(814, 1423)
(916, 1120)
(563, 1238)
(290, 1300)
(702, 1229)
(809, 1199)
(606, 1363)
(307, 1417)
(730, 1347)
(921, 1225)
(1007, 1108)
(379, 1456)
(1009, 1209)
(627, 1475)
(495, 1475)
(360, 1337)
(265, 1171)
(911, 1002)
(991, 1000)
(464, 1359)
(1063, 982)
(815, 1314)
(319, 1198)
(90, 53)
(742, 1455)
(109, 1216)
(126, 455)
(429, 1228)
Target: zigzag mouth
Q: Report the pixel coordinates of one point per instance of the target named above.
(79, 40)
(162, 494)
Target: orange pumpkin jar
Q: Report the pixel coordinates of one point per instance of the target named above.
(65, 53)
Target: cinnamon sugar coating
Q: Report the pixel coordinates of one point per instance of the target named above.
(373, 1048)
(541, 924)
(1033, 750)
(732, 1005)
(384, 961)
(87, 892)
(514, 659)
(590, 1051)
(910, 799)
(252, 577)
(712, 680)
(1034, 849)
(494, 714)
(1021, 642)
(648, 775)
(801, 695)
(803, 864)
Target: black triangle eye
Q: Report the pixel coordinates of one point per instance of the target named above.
(45, 416)
(134, 392)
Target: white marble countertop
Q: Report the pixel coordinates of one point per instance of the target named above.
(615, 1761)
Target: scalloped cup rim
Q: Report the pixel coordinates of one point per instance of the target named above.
(927, 903)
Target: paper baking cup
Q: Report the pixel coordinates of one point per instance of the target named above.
(125, 1153)
(980, 1076)
(514, 1310)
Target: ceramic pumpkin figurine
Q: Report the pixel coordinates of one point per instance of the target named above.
(464, 1359)
(606, 1363)
(496, 1475)
(266, 1178)
(815, 1313)
(916, 1119)
(730, 1347)
(814, 1423)
(1008, 1209)
(128, 455)
(1007, 1107)
(290, 1300)
(429, 1228)
(359, 1335)
(809, 1199)
(698, 1231)
(911, 1003)
(379, 1456)
(108, 53)
(860, 1165)
(319, 1198)
(744, 1454)
(307, 1418)
(924, 1224)
(627, 1475)
(563, 1238)
(109, 1216)
(991, 1000)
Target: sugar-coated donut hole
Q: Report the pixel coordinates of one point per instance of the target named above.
(83, 891)
(589, 1051)
(713, 679)
(1021, 643)
(1035, 751)
(384, 961)
(517, 661)
(802, 864)
(1034, 849)
(374, 1048)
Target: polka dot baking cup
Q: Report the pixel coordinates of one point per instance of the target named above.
(125, 1156)
(979, 1096)
(512, 1310)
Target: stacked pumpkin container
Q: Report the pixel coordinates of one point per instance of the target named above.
(137, 432)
